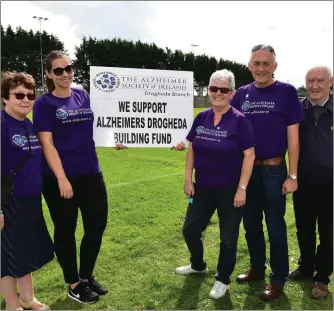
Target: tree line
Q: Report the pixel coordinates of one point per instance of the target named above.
(20, 51)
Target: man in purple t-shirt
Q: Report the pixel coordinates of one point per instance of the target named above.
(221, 150)
(274, 110)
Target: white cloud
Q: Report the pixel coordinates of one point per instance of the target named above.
(300, 32)
(20, 13)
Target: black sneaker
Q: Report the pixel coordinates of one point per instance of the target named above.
(83, 294)
(97, 287)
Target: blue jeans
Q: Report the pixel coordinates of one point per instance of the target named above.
(264, 194)
(198, 216)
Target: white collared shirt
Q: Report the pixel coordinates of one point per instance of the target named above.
(321, 103)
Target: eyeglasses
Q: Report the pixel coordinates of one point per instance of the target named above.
(21, 96)
(263, 47)
(59, 71)
(223, 90)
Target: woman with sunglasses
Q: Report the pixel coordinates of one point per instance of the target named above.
(221, 149)
(26, 245)
(63, 121)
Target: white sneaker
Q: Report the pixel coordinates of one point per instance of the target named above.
(184, 270)
(218, 290)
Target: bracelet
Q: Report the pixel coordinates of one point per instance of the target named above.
(242, 187)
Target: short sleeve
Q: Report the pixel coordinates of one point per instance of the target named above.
(235, 102)
(246, 135)
(4, 138)
(86, 96)
(42, 116)
(293, 109)
(192, 133)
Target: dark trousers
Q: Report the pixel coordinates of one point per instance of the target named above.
(26, 245)
(264, 194)
(312, 203)
(90, 196)
(198, 216)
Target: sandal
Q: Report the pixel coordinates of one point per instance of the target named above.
(320, 290)
(27, 305)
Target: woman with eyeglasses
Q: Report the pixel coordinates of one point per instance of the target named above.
(63, 121)
(221, 150)
(26, 245)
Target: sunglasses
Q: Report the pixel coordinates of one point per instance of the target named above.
(59, 71)
(20, 96)
(223, 90)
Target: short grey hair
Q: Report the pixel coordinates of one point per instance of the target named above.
(223, 75)
(265, 47)
(328, 70)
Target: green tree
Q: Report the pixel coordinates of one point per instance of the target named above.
(301, 91)
(122, 53)
(20, 50)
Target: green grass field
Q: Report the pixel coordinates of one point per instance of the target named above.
(143, 245)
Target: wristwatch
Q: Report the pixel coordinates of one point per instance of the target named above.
(294, 177)
(242, 187)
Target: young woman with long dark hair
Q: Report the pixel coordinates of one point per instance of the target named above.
(73, 180)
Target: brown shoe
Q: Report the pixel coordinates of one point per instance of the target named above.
(271, 292)
(320, 290)
(297, 275)
(250, 276)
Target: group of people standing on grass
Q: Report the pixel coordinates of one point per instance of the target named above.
(237, 148)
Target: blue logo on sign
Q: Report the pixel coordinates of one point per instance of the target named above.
(106, 81)
(245, 106)
(18, 140)
(199, 129)
(61, 114)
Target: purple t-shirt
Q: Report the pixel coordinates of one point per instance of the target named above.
(15, 148)
(271, 110)
(218, 150)
(70, 120)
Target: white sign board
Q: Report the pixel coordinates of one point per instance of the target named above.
(141, 107)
